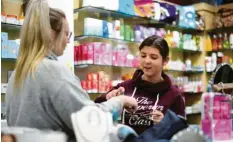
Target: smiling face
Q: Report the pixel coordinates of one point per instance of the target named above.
(151, 61)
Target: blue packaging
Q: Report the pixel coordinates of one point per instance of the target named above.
(17, 50)
(4, 42)
(126, 6)
(105, 29)
(187, 17)
(11, 49)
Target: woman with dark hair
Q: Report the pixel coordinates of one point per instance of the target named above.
(151, 87)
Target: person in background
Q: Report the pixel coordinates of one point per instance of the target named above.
(151, 87)
(42, 93)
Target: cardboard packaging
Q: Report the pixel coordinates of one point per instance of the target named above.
(12, 7)
(4, 46)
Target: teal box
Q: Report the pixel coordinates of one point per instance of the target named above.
(4, 47)
(14, 50)
(17, 50)
(11, 49)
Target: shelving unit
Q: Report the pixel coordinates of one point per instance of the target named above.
(7, 64)
(109, 15)
(10, 26)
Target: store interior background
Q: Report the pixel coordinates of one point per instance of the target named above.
(188, 69)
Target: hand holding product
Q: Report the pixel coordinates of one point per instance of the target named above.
(115, 93)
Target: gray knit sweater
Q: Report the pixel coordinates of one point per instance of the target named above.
(47, 101)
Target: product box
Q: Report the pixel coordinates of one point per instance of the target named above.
(75, 55)
(3, 87)
(94, 85)
(89, 82)
(110, 30)
(117, 29)
(98, 49)
(3, 17)
(101, 84)
(93, 27)
(12, 19)
(187, 17)
(119, 56)
(17, 48)
(4, 44)
(127, 33)
(84, 53)
(84, 85)
(216, 119)
(80, 55)
(129, 60)
(105, 29)
(122, 57)
(12, 7)
(90, 53)
(106, 57)
(11, 49)
(144, 8)
(127, 6)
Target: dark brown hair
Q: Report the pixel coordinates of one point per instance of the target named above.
(158, 43)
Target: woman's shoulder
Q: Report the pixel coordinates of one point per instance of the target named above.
(54, 69)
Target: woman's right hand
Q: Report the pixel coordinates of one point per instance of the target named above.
(129, 103)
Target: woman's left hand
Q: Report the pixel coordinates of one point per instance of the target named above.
(157, 116)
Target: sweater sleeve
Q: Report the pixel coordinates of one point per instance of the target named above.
(70, 98)
(179, 105)
(102, 98)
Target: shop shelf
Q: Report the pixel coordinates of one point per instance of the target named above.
(192, 93)
(88, 65)
(194, 113)
(8, 59)
(186, 72)
(120, 41)
(103, 13)
(186, 50)
(221, 50)
(221, 30)
(94, 37)
(10, 26)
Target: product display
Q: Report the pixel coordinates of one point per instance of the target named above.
(211, 62)
(9, 48)
(99, 82)
(105, 52)
(216, 116)
(187, 17)
(180, 66)
(138, 33)
(188, 85)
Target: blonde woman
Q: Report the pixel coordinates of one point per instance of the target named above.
(42, 93)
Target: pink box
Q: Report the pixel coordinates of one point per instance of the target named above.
(84, 53)
(98, 46)
(80, 54)
(216, 116)
(90, 53)
(106, 57)
(75, 55)
(114, 58)
(122, 57)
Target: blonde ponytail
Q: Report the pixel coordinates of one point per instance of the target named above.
(35, 39)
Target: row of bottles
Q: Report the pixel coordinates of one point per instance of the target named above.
(220, 41)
